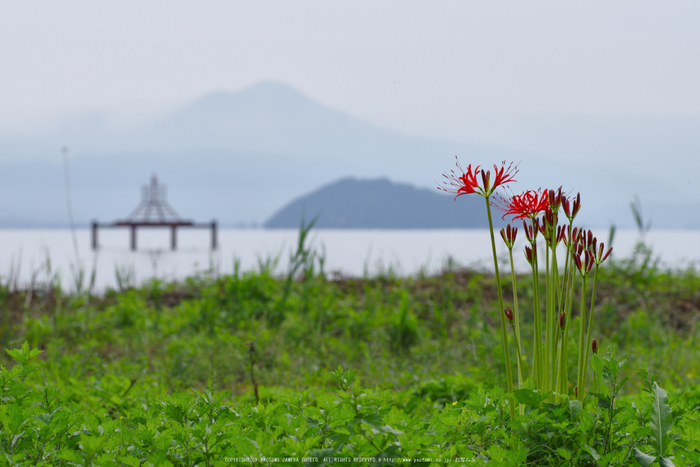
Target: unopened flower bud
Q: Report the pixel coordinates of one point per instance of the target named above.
(595, 345)
(576, 390)
(561, 233)
(485, 176)
(577, 205)
(508, 235)
(561, 320)
(509, 313)
(530, 254)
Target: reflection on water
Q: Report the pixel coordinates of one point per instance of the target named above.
(27, 255)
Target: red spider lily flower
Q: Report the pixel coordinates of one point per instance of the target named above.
(467, 183)
(461, 184)
(508, 234)
(509, 313)
(528, 204)
(594, 345)
(568, 211)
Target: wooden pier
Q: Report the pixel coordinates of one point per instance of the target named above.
(153, 211)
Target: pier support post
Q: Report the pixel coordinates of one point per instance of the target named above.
(133, 238)
(94, 235)
(173, 237)
(213, 235)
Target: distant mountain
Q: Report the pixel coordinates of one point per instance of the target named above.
(351, 203)
(238, 156)
(234, 156)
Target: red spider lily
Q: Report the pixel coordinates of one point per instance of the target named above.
(467, 183)
(528, 204)
(508, 234)
(562, 317)
(461, 184)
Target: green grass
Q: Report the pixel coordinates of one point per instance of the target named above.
(142, 376)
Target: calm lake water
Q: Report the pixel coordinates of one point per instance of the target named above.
(24, 253)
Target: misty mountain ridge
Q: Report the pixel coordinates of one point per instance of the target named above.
(240, 156)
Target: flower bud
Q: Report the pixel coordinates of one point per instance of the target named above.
(508, 235)
(576, 390)
(509, 313)
(530, 254)
(561, 320)
(577, 205)
(561, 233)
(485, 176)
(599, 257)
(595, 345)
(590, 260)
(571, 209)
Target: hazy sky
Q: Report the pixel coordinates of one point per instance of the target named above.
(612, 84)
(457, 69)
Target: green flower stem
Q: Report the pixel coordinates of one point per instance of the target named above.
(547, 322)
(569, 283)
(537, 351)
(582, 388)
(538, 354)
(554, 315)
(521, 377)
(595, 381)
(516, 318)
(501, 311)
(581, 338)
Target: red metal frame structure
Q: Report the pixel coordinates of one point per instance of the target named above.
(154, 211)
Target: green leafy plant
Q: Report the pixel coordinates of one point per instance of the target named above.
(661, 423)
